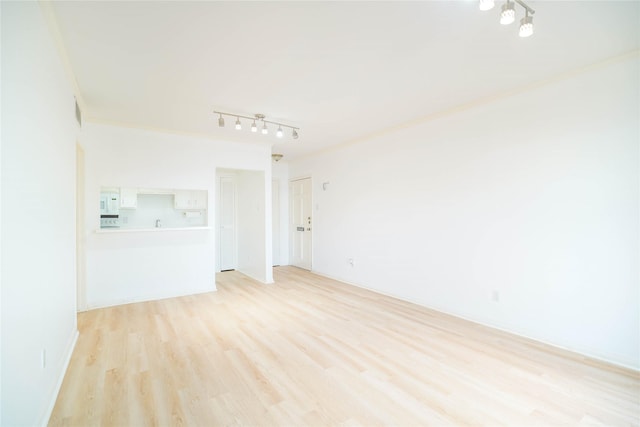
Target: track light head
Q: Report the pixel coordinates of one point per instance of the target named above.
(294, 134)
(486, 4)
(238, 124)
(221, 121)
(254, 127)
(264, 129)
(526, 26)
(279, 132)
(508, 13)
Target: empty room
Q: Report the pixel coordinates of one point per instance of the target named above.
(320, 213)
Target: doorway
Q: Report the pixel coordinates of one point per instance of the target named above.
(227, 249)
(300, 223)
(275, 222)
(242, 222)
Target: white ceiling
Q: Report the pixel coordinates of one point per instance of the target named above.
(338, 70)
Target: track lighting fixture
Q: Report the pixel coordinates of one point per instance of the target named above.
(508, 14)
(254, 125)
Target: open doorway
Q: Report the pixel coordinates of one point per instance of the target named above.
(241, 223)
(226, 220)
(275, 221)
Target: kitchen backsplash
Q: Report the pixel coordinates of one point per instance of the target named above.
(153, 207)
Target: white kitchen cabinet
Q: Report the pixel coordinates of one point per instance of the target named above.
(181, 199)
(190, 199)
(199, 199)
(128, 198)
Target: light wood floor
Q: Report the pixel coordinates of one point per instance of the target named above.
(312, 351)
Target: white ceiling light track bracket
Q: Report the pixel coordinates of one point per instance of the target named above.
(525, 6)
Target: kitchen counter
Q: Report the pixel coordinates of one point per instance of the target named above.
(153, 230)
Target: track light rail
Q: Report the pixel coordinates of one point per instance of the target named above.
(257, 117)
(261, 118)
(527, 8)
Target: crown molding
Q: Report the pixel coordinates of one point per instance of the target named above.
(634, 54)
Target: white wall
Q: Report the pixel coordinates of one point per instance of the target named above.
(38, 217)
(533, 196)
(252, 229)
(137, 266)
(1, 321)
(280, 172)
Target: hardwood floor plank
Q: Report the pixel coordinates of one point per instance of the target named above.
(308, 350)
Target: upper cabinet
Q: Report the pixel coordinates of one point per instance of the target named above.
(190, 199)
(128, 198)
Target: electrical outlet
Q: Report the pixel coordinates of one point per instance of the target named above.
(495, 296)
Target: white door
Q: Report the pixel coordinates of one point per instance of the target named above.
(275, 203)
(227, 221)
(300, 223)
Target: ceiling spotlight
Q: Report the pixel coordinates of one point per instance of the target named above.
(508, 14)
(264, 129)
(238, 125)
(279, 132)
(254, 128)
(526, 25)
(294, 134)
(486, 4)
(221, 121)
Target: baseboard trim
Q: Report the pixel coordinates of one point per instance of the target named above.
(583, 354)
(70, 347)
(251, 276)
(147, 298)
